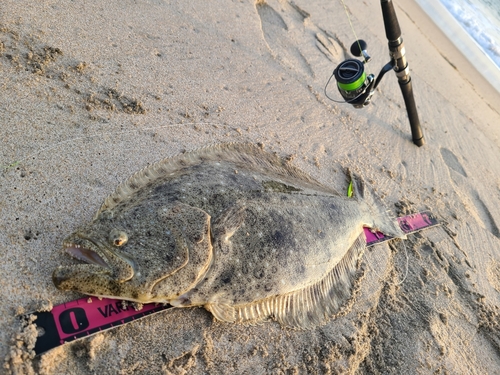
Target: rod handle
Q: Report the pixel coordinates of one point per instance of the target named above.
(392, 29)
(411, 109)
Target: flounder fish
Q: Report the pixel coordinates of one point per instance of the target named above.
(231, 228)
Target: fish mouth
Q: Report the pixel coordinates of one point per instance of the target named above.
(85, 253)
(121, 265)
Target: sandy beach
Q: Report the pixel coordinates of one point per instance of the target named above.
(92, 92)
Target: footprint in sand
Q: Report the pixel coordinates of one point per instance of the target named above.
(482, 211)
(452, 161)
(290, 35)
(493, 274)
(488, 219)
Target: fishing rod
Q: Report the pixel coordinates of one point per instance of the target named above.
(357, 88)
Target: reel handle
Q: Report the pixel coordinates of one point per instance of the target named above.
(355, 47)
(358, 48)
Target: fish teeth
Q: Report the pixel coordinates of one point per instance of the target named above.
(71, 244)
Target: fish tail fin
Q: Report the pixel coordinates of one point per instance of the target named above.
(381, 218)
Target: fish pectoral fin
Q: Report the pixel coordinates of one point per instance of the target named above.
(228, 222)
(222, 311)
(192, 222)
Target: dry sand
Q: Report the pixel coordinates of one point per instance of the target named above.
(93, 91)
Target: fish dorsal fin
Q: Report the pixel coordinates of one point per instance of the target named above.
(307, 307)
(245, 154)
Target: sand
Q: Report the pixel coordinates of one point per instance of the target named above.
(93, 91)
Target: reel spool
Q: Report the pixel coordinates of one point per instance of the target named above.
(355, 86)
(353, 83)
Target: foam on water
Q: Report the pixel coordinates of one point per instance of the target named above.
(473, 26)
(481, 20)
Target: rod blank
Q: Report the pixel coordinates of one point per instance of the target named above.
(393, 33)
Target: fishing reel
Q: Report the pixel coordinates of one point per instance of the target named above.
(355, 86)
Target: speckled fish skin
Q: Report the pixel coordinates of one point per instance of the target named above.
(231, 228)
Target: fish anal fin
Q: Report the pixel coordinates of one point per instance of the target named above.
(308, 307)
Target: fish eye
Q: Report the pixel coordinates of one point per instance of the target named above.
(118, 237)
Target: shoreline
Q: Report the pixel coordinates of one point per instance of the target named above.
(462, 85)
(469, 48)
(449, 37)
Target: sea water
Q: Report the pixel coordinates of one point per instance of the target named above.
(481, 20)
(473, 26)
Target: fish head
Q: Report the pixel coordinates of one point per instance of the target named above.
(127, 253)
